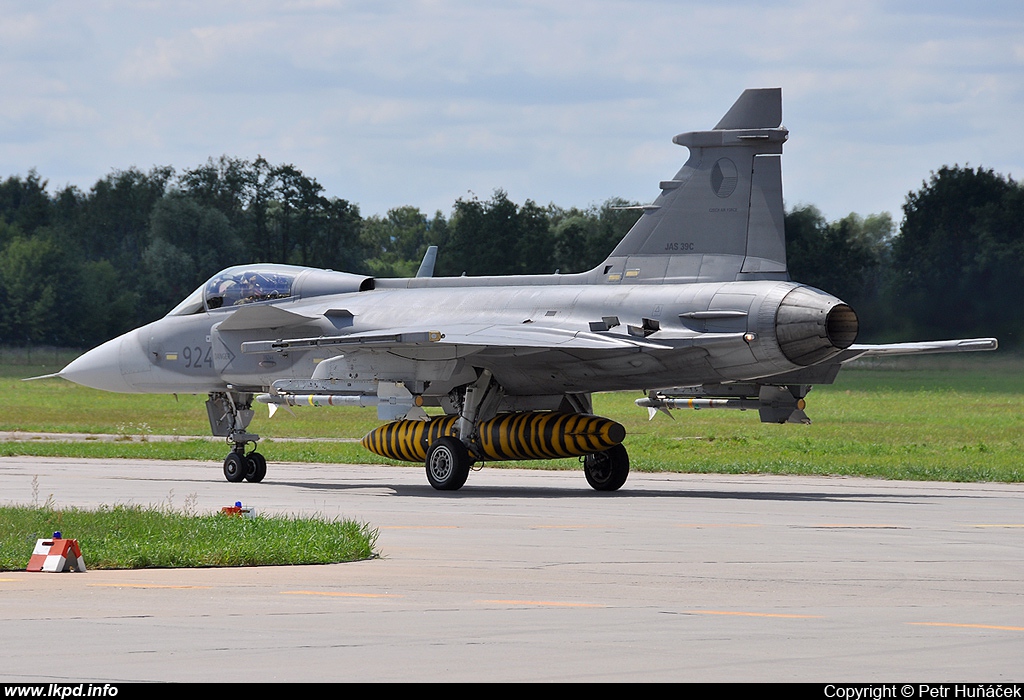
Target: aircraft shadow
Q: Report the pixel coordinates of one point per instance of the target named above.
(540, 492)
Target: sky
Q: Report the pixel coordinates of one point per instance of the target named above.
(390, 104)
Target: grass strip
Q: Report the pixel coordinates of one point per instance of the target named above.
(133, 537)
(948, 419)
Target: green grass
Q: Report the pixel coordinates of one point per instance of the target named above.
(936, 418)
(131, 537)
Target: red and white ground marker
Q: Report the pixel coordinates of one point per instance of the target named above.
(56, 554)
(239, 510)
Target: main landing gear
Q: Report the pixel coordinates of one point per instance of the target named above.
(450, 456)
(448, 463)
(230, 414)
(607, 471)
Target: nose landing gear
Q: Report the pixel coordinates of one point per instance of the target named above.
(230, 414)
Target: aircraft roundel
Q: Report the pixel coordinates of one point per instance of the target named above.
(723, 177)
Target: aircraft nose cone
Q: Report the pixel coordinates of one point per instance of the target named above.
(100, 368)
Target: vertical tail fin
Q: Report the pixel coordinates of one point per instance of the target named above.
(426, 268)
(721, 217)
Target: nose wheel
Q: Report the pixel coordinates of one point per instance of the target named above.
(239, 466)
(257, 467)
(235, 467)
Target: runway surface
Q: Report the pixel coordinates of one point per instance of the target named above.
(528, 575)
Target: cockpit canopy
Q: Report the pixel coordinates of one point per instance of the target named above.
(236, 286)
(249, 284)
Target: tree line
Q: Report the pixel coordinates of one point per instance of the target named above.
(77, 268)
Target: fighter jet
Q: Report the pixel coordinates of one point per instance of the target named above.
(694, 307)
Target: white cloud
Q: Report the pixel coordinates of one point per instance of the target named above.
(391, 103)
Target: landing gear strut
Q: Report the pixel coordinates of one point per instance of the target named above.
(230, 414)
(448, 457)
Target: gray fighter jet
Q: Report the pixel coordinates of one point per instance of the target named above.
(694, 307)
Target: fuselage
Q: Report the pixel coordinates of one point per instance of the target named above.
(672, 334)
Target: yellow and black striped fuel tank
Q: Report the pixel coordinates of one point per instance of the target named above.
(527, 435)
(408, 440)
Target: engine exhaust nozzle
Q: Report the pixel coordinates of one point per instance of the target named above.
(812, 326)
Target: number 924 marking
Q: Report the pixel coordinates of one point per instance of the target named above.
(196, 359)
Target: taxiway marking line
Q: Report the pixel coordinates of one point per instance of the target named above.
(999, 525)
(971, 626)
(749, 614)
(340, 594)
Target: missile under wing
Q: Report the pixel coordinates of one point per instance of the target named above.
(694, 307)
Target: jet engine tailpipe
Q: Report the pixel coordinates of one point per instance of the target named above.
(812, 326)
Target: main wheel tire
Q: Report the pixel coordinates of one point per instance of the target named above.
(607, 471)
(448, 464)
(235, 467)
(257, 467)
